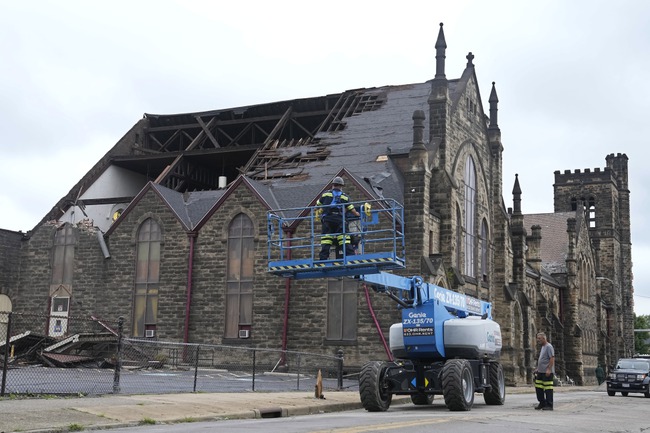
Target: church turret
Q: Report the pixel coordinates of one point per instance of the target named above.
(439, 101)
(417, 195)
(441, 46)
(418, 153)
(516, 196)
(518, 237)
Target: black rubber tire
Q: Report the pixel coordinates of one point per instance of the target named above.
(374, 396)
(646, 394)
(458, 385)
(611, 393)
(422, 399)
(496, 394)
(624, 393)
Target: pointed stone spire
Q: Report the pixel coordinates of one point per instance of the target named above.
(441, 46)
(516, 196)
(494, 102)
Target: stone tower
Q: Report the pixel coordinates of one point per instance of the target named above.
(605, 198)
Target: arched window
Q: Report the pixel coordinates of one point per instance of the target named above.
(63, 256)
(147, 279)
(484, 251)
(239, 277)
(470, 216)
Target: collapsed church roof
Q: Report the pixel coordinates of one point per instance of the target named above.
(297, 145)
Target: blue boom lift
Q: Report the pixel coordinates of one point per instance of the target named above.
(446, 344)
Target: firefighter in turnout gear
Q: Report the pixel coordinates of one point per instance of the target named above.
(334, 204)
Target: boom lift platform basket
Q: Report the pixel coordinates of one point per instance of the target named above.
(294, 241)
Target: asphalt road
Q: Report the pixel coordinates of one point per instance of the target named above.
(581, 411)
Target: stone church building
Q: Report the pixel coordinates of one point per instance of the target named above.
(169, 229)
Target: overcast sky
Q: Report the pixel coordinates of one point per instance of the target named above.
(572, 80)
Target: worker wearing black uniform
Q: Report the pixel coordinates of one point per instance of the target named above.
(334, 203)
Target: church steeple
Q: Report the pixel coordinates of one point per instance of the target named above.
(441, 46)
(494, 102)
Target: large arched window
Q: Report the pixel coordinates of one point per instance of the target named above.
(147, 279)
(239, 277)
(470, 216)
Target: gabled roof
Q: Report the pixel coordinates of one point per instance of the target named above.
(555, 240)
(189, 207)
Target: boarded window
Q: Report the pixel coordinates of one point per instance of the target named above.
(342, 309)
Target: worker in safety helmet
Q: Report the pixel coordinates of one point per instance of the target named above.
(335, 203)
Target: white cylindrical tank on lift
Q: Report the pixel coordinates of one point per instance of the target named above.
(472, 338)
(223, 181)
(469, 338)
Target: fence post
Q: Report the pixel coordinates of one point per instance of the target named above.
(6, 360)
(339, 374)
(196, 366)
(298, 380)
(118, 356)
(254, 369)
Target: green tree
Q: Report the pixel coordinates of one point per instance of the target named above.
(641, 338)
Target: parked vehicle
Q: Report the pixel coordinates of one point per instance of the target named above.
(629, 375)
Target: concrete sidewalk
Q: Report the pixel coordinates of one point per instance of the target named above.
(48, 415)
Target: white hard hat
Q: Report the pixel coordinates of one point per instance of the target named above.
(338, 180)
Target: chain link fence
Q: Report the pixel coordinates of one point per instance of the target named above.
(81, 356)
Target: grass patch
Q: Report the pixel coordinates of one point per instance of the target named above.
(75, 427)
(147, 420)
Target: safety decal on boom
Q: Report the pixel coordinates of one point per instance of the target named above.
(417, 332)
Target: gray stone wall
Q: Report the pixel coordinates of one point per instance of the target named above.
(32, 291)
(120, 272)
(10, 248)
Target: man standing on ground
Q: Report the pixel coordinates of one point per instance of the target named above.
(544, 373)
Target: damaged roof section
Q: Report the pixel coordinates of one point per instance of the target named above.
(263, 141)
